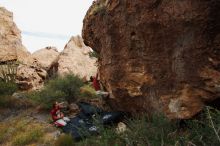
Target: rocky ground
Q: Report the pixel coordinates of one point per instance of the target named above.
(26, 127)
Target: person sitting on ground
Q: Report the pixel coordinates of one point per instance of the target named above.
(96, 85)
(58, 116)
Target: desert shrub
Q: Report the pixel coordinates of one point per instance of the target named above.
(64, 140)
(57, 89)
(88, 92)
(158, 130)
(69, 85)
(204, 131)
(46, 97)
(107, 137)
(155, 131)
(7, 88)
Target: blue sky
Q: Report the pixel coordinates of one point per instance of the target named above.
(47, 22)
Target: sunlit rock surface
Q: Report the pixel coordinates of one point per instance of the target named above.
(29, 74)
(46, 57)
(75, 59)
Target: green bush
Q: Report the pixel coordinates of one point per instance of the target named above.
(69, 85)
(58, 89)
(64, 140)
(46, 97)
(7, 88)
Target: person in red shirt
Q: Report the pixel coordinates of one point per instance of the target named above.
(96, 85)
(95, 82)
(58, 116)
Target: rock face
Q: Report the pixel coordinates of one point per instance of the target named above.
(46, 57)
(75, 59)
(157, 55)
(30, 77)
(29, 74)
(11, 47)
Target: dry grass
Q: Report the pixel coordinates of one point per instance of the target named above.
(25, 130)
(88, 92)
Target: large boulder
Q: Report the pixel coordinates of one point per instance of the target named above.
(11, 47)
(157, 55)
(46, 57)
(29, 75)
(75, 59)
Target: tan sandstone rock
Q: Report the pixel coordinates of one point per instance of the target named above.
(29, 74)
(157, 55)
(30, 77)
(75, 59)
(46, 57)
(11, 47)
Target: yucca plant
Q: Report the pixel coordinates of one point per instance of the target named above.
(8, 71)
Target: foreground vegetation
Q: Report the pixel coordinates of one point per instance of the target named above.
(22, 130)
(158, 131)
(204, 130)
(67, 88)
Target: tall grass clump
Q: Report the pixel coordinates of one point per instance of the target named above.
(204, 131)
(88, 92)
(66, 88)
(156, 131)
(107, 137)
(6, 90)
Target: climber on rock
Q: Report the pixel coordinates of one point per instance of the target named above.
(96, 85)
(58, 116)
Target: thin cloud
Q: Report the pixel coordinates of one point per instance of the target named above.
(46, 35)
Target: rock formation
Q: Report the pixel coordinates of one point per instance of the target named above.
(29, 74)
(46, 57)
(157, 55)
(30, 77)
(75, 59)
(11, 47)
